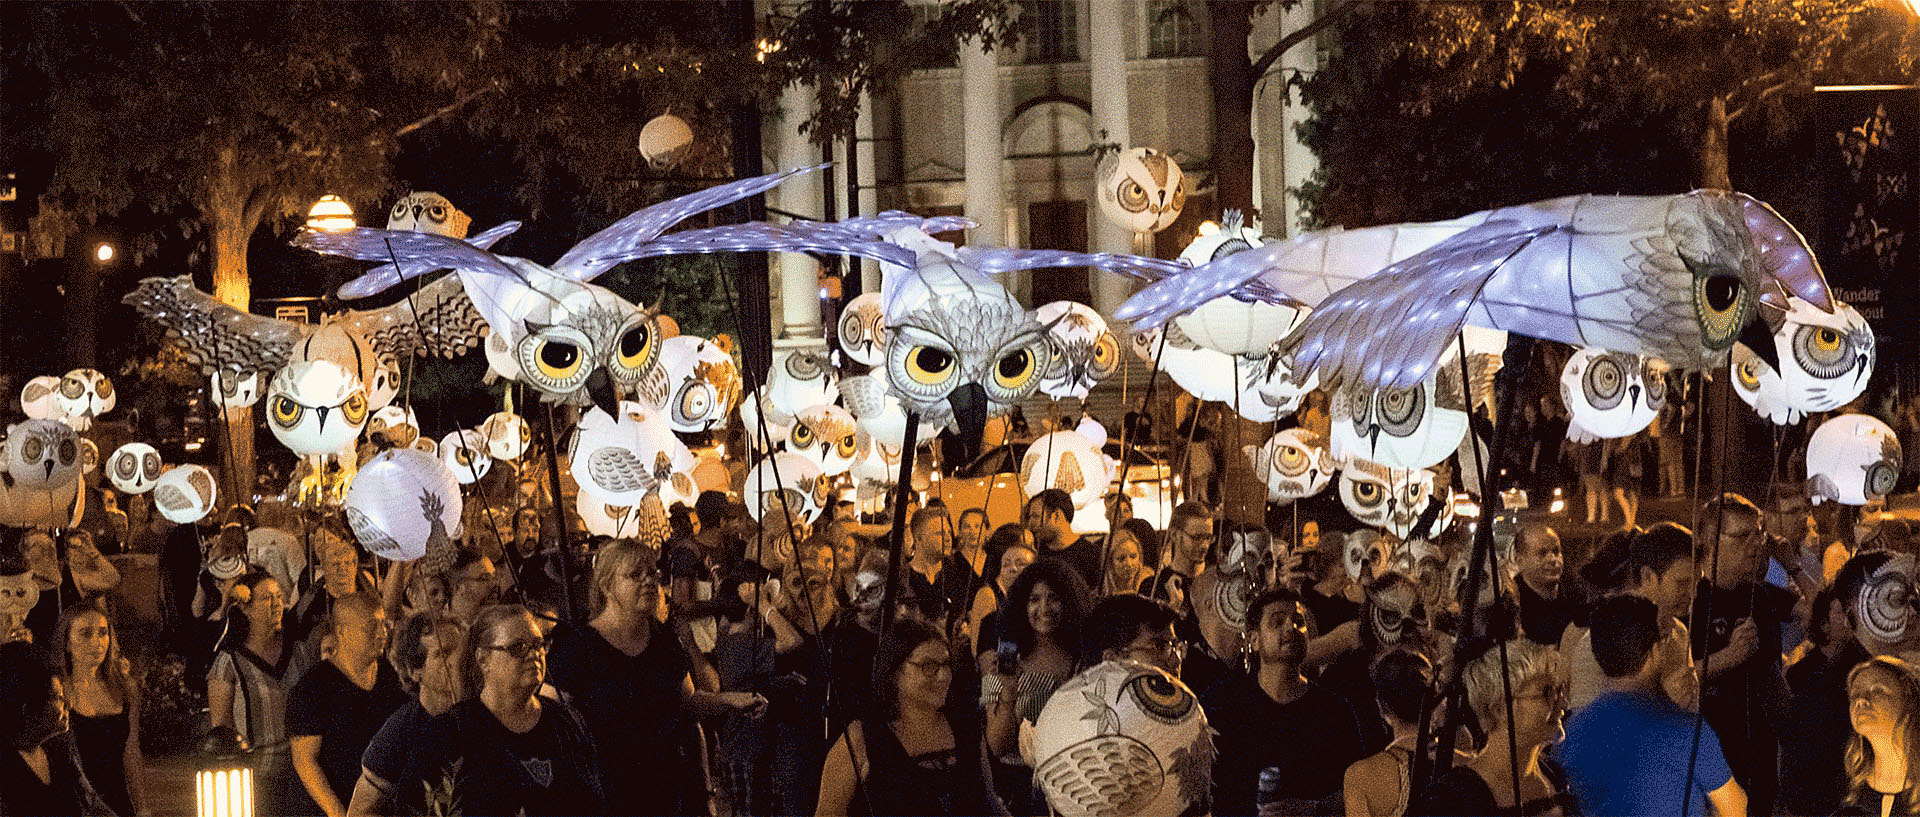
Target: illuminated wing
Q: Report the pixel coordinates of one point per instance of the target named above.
(627, 238)
(438, 320)
(995, 260)
(485, 240)
(216, 336)
(416, 253)
(759, 236)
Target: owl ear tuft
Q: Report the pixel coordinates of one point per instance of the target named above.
(536, 328)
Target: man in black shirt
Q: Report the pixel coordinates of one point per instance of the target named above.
(336, 707)
(1547, 604)
(1049, 516)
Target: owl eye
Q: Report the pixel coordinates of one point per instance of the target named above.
(802, 435)
(1722, 304)
(437, 212)
(150, 464)
(694, 403)
(71, 388)
(1132, 197)
(105, 389)
(68, 451)
(635, 353)
(399, 209)
(355, 409)
(847, 447)
(1106, 356)
(556, 360)
(1179, 201)
(1747, 375)
(1160, 698)
(125, 467)
(1292, 461)
(1604, 382)
(1014, 369)
(928, 365)
(32, 450)
(1880, 479)
(284, 412)
(1821, 352)
(1368, 494)
(1401, 410)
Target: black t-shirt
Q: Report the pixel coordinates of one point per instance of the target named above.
(1084, 555)
(345, 717)
(1311, 740)
(957, 583)
(1745, 704)
(850, 650)
(1328, 611)
(631, 705)
(549, 769)
(402, 754)
(1543, 619)
(1816, 731)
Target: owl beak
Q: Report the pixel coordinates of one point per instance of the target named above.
(969, 404)
(1758, 338)
(600, 388)
(1633, 396)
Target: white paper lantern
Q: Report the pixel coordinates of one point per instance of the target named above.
(84, 395)
(1069, 462)
(1121, 738)
(1611, 394)
(1236, 327)
(1390, 499)
(133, 468)
(702, 384)
(1826, 359)
(799, 380)
(826, 436)
(789, 477)
(1268, 389)
(1294, 464)
(508, 435)
(663, 139)
(1410, 428)
(1760, 387)
(1852, 459)
(394, 427)
(1234, 234)
(403, 502)
(1085, 351)
(879, 413)
(464, 452)
(316, 408)
(863, 330)
(621, 459)
(235, 390)
(185, 494)
(765, 427)
(1093, 431)
(42, 454)
(1142, 190)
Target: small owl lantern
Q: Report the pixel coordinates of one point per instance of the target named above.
(84, 395)
(508, 435)
(464, 452)
(1407, 429)
(425, 212)
(785, 478)
(394, 427)
(1887, 608)
(133, 468)
(827, 437)
(1122, 738)
(402, 503)
(40, 398)
(42, 454)
(1760, 387)
(1294, 464)
(1391, 499)
(1825, 362)
(316, 407)
(1141, 190)
(619, 460)
(1852, 459)
(1085, 352)
(863, 330)
(802, 380)
(185, 494)
(1611, 394)
(1067, 461)
(235, 390)
(702, 384)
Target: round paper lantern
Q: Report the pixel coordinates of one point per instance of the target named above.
(1238, 327)
(508, 435)
(133, 468)
(1093, 431)
(879, 464)
(863, 330)
(1390, 499)
(879, 413)
(402, 503)
(394, 427)
(663, 139)
(1294, 464)
(1405, 429)
(1121, 738)
(316, 408)
(1886, 608)
(1233, 235)
(784, 477)
(40, 398)
(185, 494)
(1268, 387)
(826, 436)
(1826, 358)
(464, 452)
(800, 380)
(702, 384)
(1085, 352)
(1611, 394)
(764, 425)
(230, 390)
(1141, 190)
(1852, 459)
(710, 474)
(84, 395)
(42, 454)
(1069, 462)
(621, 459)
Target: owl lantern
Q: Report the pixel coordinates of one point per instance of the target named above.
(1852, 459)
(863, 330)
(133, 468)
(507, 434)
(1825, 363)
(1141, 190)
(1611, 394)
(1234, 235)
(1889, 606)
(232, 391)
(800, 381)
(42, 454)
(827, 437)
(40, 398)
(402, 503)
(620, 459)
(1759, 386)
(185, 494)
(394, 427)
(702, 384)
(1406, 429)
(464, 453)
(1294, 464)
(316, 408)
(1085, 352)
(1122, 738)
(1069, 462)
(1391, 499)
(425, 212)
(85, 394)
(784, 478)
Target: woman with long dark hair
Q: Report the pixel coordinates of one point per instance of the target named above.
(103, 707)
(251, 675)
(1039, 637)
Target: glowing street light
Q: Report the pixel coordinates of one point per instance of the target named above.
(331, 214)
(103, 253)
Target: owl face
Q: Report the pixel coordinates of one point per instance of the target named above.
(42, 454)
(800, 381)
(1233, 236)
(394, 427)
(86, 394)
(785, 484)
(1887, 603)
(1391, 499)
(581, 344)
(464, 452)
(1410, 428)
(957, 362)
(1069, 462)
(1394, 613)
(1141, 189)
(40, 398)
(1294, 464)
(703, 385)
(235, 390)
(1269, 388)
(185, 494)
(1121, 738)
(18, 596)
(1084, 351)
(1852, 459)
(1611, 394)
(863, 330)
(316, 407)
(1365, 554)
(133, 468)
(424, 212)
(1760, 387)
(508, 435)
(827, 437)
(1825, 359)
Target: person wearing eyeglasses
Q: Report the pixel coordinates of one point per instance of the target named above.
(1486, 784)
(338, 705)
(630, 677)
(1131, 628)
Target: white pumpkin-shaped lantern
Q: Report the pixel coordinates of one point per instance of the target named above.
(1852, 459)
(787, 477)
(1611, 394)
(1294, 464)
(826, 436)
(1121, 738)
(464, 452)
(507, 434)
(1085, 351)
(863, 330)
(316, 408)
(1141, 190)
(231, 391)
(40, 398)
(185, 494)
(1069, 462)
(402, 503)
(1407, 429)
(84, 395)
(133, 468)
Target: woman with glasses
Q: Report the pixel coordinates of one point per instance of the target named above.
(630, 677)
(1486, 785)
(919, 751)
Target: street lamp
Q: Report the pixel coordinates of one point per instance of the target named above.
(331, 214)
(223, 785)
(103, 253)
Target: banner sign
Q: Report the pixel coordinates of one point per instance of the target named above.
(1867, 229)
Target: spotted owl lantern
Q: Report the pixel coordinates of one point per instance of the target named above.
(185, 494)
(316, 408)
(702, 384)
(426, 212)
(620, 459)
(404, 503)
(1122, 738)
(863, 330)
(1852, 459)
(464, 453)
(1391, 499)
(133, 468)
(1611, 394)
(84, 395)
(1085, 352)
(1069, 462)
(786, 478)
(1294, 464)
(507, 435)
(1407, 429)
(40, 398)
(1141, 190)
(827, 437)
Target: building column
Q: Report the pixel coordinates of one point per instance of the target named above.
(798, 275)
(1108, 64)
(980, 109)
(863, 135)
(1300, 162)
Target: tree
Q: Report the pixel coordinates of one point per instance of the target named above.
(1234, 78)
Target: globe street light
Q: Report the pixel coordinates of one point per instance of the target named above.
(330, 214)
(103, 253)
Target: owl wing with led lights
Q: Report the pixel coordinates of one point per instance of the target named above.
(216, 336)
(485, 240)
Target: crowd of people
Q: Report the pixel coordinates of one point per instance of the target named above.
(747, 666)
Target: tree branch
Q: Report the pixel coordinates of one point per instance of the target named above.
(1764, 94)
(1299, 36)
(445, 110)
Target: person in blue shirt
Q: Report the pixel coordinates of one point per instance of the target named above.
(1628, 752)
